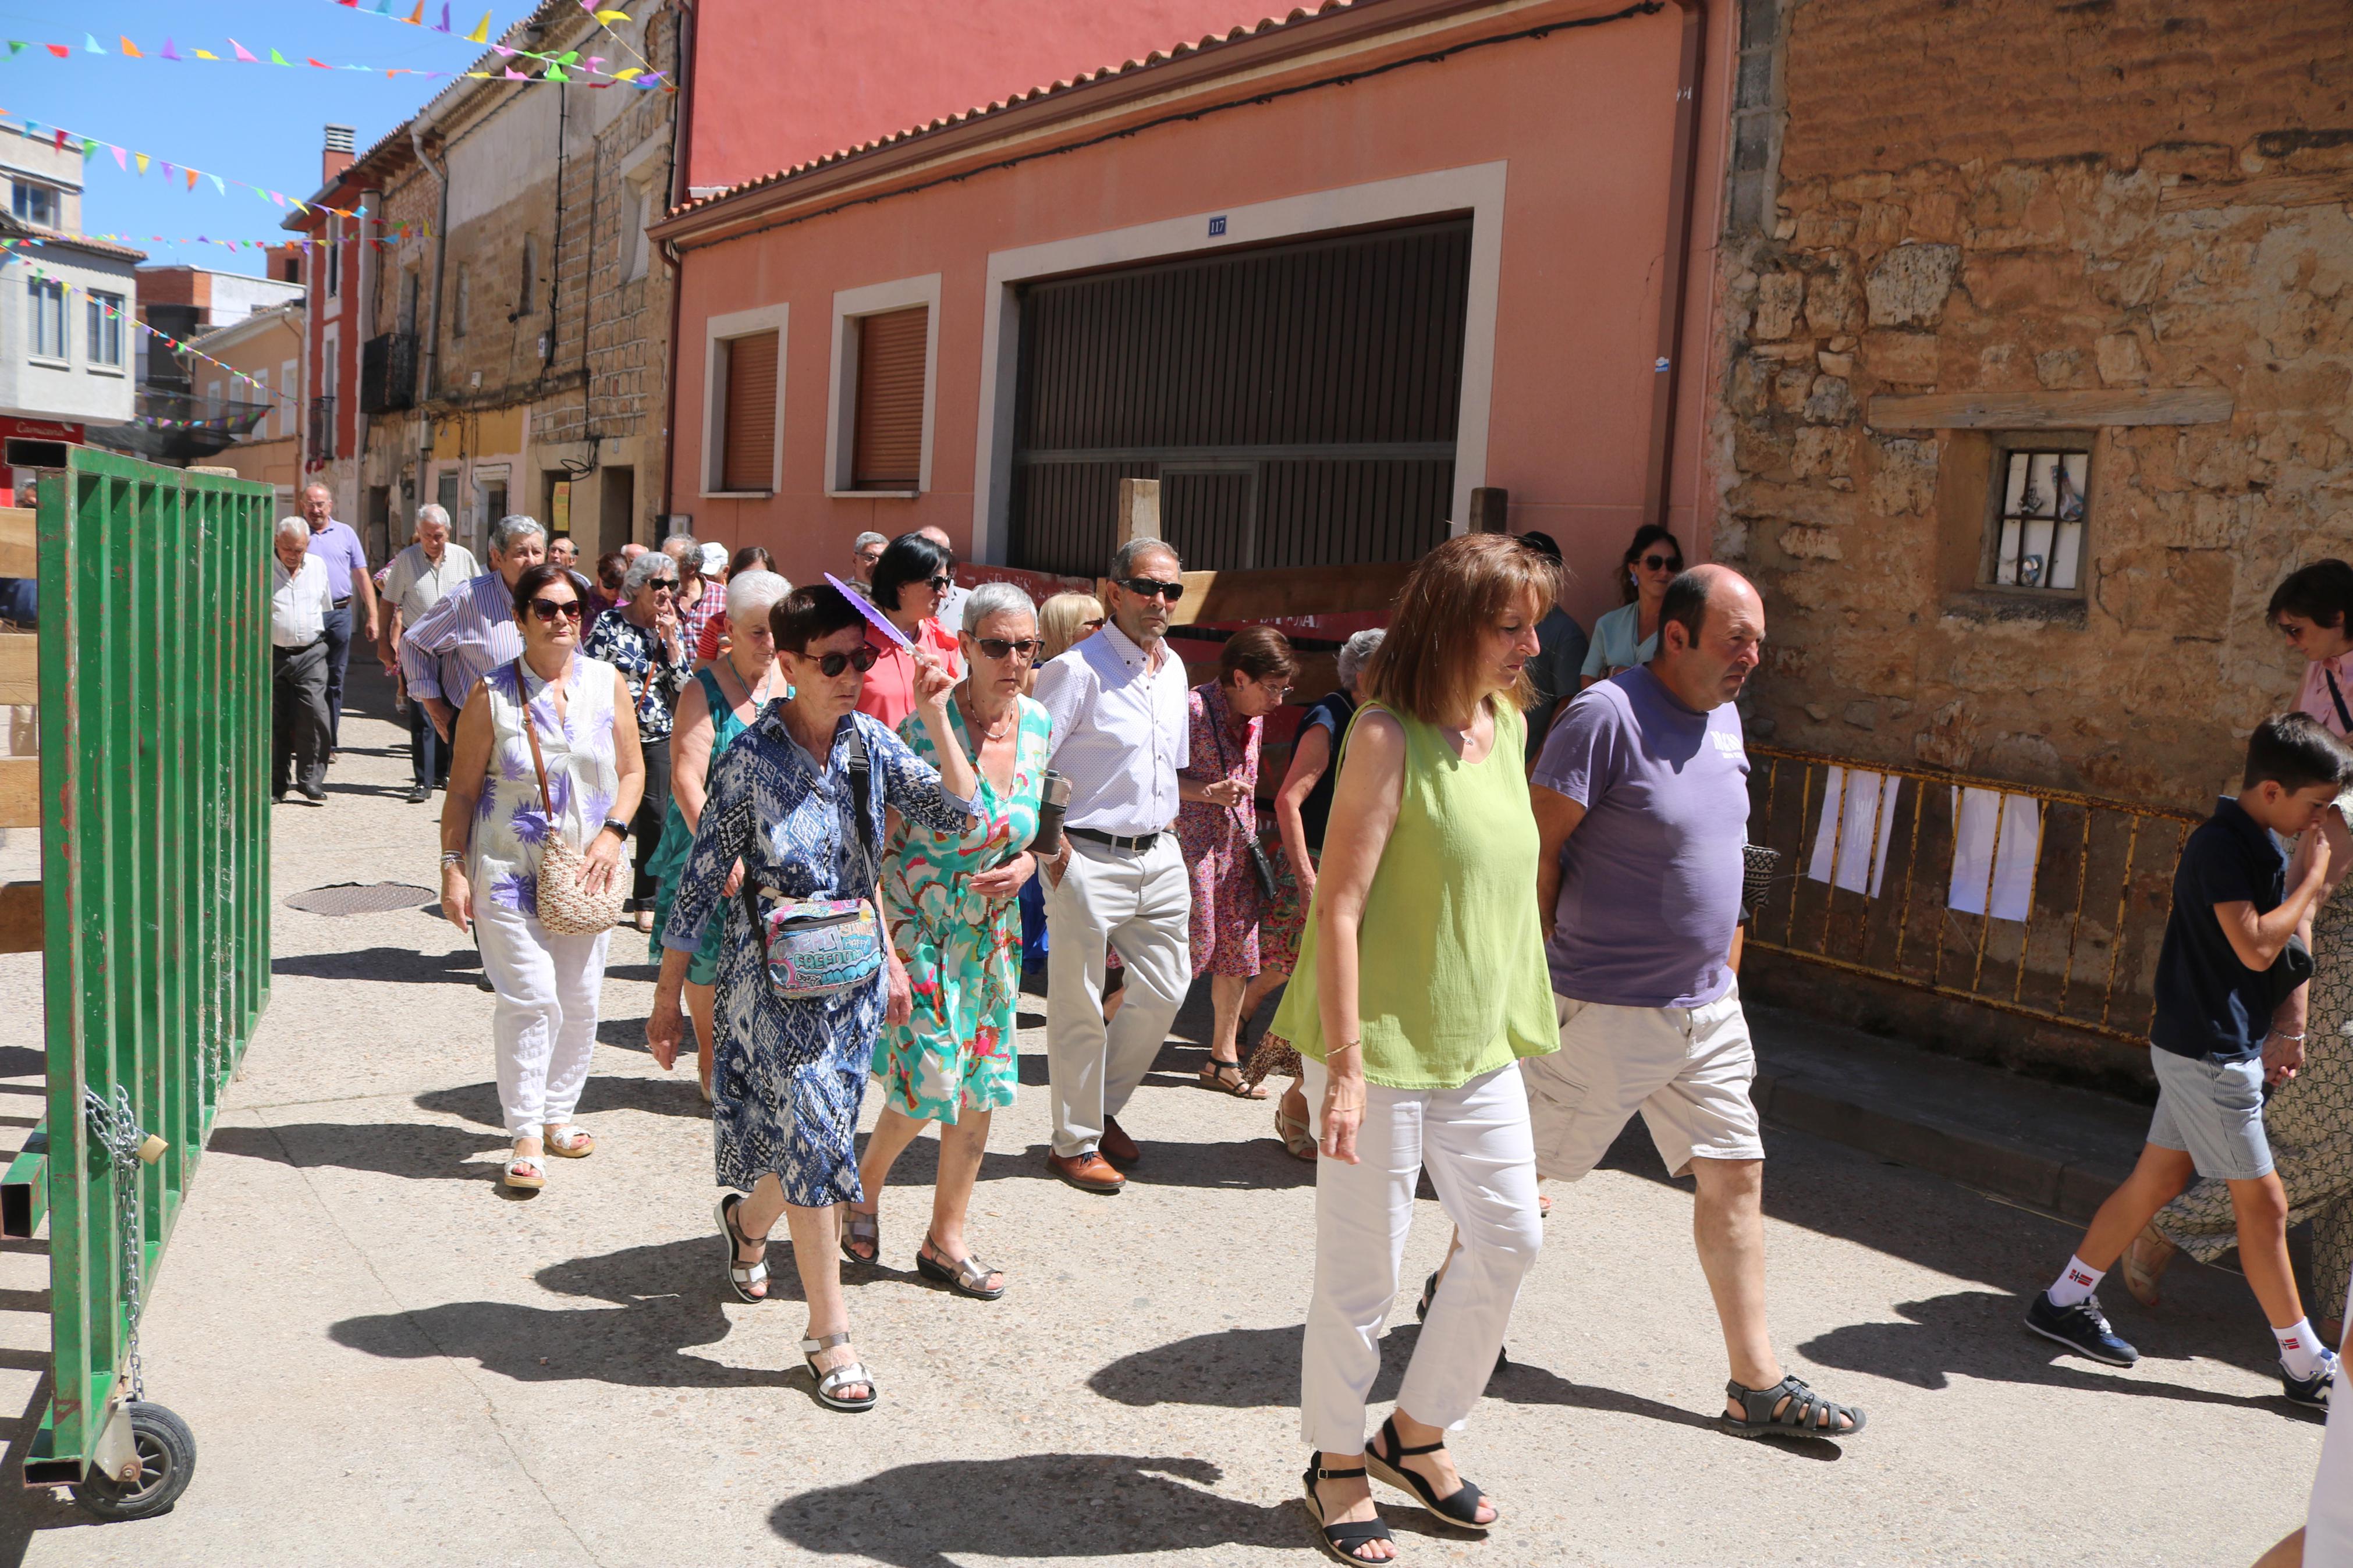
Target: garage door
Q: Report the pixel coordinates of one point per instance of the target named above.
(1298, 405)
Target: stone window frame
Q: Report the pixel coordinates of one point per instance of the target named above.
(850, 307)
(717, 331)
(2003, 445)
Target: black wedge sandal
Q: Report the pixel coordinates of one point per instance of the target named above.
(1340, 1541)
(1805, 1415)
(1461, 1508)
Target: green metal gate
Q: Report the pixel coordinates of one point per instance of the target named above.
(155, 729)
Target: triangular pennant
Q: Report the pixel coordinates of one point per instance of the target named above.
(443, 24)
(609, 17)
(88, 147)
(61, 141)
(503, 52)
(278, 59)
(191, 178)
(16, 47)
(206, 55)
(556, 73)
(416, 18)
(140, 158)
(131, 48)
(89, 44)
(515, 75)
(167, 48)
(627, 75)
(279, 199)
(568, 57)
(243, 53)
(321, 64)
(481, 33)
(121, 161)
(57, 49)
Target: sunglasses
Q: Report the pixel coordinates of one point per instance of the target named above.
(1094, 625)
(942, 584)
(1671, 563)
(1147, 587)
(860, 660)
(997, 648)
(548, 609)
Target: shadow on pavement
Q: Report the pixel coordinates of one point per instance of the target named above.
(403, 964)
(1032, 1509)
(1259, 1369)
(25, 1511)
(1980, 1334)
(667, 1296)
(415, 1151)
(674, 1096)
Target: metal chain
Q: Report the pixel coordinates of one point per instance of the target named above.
(117, 1131)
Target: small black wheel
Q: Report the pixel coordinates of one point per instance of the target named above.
(167, 1458)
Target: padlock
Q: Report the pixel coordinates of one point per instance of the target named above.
(153, 1149)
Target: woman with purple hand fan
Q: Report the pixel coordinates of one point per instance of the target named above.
(546, 749)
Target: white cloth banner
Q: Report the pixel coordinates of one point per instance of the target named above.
(1861, 835)
(1973, 862)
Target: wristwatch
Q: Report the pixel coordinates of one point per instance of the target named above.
(620, 830)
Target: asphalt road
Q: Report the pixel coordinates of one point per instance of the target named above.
(387, 1362)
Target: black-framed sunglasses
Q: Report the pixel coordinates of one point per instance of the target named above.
(941, 584)
(548, 609)
(997, 648)
(860, 660)
(667, 584)
(1671, 563)
(1147, 587)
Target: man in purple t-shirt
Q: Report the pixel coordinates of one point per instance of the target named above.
(1641, 798)
(339, 552)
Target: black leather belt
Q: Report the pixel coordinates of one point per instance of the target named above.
(1141, 842)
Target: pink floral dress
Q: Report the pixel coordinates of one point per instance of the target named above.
(1227, 903)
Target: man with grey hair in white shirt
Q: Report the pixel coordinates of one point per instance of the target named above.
(300, 600)
(1117, 700)
(422, 575)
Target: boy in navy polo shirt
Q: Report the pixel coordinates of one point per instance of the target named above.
(2236, 903)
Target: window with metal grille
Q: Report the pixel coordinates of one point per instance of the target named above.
(748, 438)
(2041, 507)
(887, 448)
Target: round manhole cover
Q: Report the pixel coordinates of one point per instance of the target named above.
(363, 898)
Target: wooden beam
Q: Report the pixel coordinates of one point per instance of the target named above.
(1139, 509)
(1265, 595)
(1491, 507)
(20, 791)
(2052, 410)
(20, 668)
(20, 917)
(20, 554)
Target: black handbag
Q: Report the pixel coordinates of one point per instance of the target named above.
(1261, 865)
(2291, 969)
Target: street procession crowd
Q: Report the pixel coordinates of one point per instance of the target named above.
(1502, 884)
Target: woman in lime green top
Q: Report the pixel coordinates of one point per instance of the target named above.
(1420, 984)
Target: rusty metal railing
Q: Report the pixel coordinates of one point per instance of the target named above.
(1881, 876)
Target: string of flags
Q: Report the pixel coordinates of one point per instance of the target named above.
(118, 313)
(605, 17)
(304, 243)
(557, 68)
(127, 159)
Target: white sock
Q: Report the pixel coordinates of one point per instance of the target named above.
(2299, 1349)
(2076, 1282)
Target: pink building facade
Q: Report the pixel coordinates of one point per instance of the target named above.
(1412, 248)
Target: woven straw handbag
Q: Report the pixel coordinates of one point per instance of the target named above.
(566, 906)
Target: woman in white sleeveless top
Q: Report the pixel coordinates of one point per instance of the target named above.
(494, 822)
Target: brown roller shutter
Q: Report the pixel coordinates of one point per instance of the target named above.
(888, 452)
(748, 462)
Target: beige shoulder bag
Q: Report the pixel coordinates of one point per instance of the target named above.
(566, 907)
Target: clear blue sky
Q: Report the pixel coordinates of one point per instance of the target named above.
(251, 123)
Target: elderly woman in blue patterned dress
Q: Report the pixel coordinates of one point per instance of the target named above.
(789, 1075)
(494, 823)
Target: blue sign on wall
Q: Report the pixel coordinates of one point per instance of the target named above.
(1217, 226)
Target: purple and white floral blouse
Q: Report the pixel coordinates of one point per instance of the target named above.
(511, 824)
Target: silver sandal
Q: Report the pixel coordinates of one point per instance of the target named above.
(965, 1276)
(865, 1227)
(741, 1275)
(827, 1382)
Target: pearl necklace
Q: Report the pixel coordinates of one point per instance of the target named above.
(1012, 717)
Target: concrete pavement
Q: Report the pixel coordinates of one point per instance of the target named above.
(385, 1360)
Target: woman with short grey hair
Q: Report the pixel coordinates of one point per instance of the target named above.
(718, 705)
(1300, 808)
(646, 640)
(957, 931)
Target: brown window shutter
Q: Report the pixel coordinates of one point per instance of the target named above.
(748, 460)
(888, 451)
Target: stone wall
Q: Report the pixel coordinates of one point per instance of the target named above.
(2009, 196)
(2039, 214)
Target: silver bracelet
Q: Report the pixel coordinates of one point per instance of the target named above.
(2283, 1035)
(453, 857)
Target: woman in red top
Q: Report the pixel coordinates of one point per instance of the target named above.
(913, 575)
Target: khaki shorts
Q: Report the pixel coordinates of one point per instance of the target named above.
(1687, 1070)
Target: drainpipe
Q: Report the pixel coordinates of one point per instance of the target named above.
(681, 152)
(364, 312)
(1659, 488)
(432, 316)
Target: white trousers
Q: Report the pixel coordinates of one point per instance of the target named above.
(545, 1022)
(2329, 1527)
(1474, 1140)
(1140, 906)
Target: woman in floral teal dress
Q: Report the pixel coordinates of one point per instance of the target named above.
(957, 926)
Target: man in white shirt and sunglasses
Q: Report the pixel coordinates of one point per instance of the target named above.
(1117, 700)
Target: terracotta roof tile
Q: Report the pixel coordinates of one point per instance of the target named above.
(998, 106)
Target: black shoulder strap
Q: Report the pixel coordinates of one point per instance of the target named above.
(861, 790)
(2337, 697)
